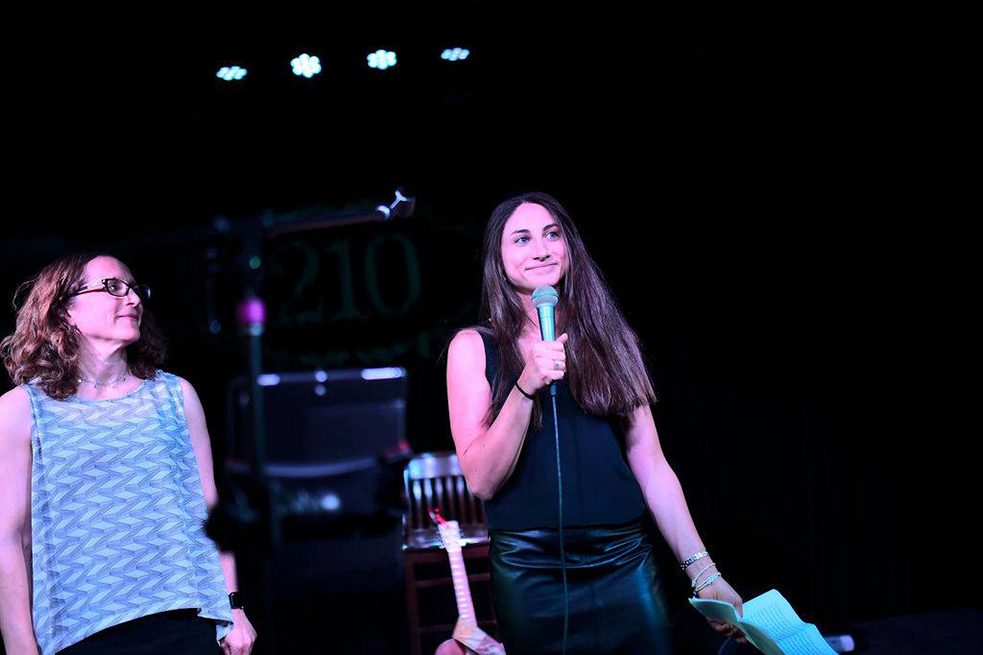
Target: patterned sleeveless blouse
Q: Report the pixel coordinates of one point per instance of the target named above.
(117, 513)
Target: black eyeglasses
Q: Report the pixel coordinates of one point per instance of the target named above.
(116, 287)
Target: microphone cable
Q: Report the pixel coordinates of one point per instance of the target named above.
(545, 298)
(559, 490)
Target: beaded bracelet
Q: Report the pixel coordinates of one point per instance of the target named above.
(693, 584)
(713, 578)
(693, 558)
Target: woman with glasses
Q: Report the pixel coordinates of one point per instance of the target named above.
(591, 587)
(107, 478)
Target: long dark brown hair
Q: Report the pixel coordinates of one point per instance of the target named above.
(605, 370)
(45, 347)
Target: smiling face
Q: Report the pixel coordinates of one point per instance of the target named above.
(103, 318)
(533, 248)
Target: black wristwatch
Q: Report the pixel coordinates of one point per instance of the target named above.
(235, 600)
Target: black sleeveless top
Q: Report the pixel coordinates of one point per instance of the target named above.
(598, 486)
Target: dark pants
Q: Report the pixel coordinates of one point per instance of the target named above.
(614, 593)
(181, 632)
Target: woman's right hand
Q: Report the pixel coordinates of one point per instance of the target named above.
(546, 362)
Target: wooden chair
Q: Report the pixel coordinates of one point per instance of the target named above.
(430, 481)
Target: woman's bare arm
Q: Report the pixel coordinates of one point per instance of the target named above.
(242, 636)
(488, 454)
(15, 523)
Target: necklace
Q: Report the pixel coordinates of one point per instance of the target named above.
(109, 383)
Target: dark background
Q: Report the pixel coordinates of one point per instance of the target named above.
(748, 184)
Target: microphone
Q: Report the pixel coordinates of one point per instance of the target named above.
(544, 298)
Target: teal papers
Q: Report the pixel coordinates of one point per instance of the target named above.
(770, 624)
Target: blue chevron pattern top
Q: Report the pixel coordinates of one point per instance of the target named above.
(117, 513)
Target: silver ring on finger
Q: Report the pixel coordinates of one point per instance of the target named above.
(556, 364)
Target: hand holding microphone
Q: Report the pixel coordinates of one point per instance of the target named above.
(546, 361)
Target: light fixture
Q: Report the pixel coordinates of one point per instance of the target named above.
(455, 54)
(382, 59)
(231, 73)
(306, 66)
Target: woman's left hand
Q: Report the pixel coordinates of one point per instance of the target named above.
(242, 637)
(720, 590)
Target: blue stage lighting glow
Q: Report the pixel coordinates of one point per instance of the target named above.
(382, 59)
(229, 73)
(306, 66)
(388, 373)
(455, 54)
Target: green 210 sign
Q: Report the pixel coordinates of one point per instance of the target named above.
(323, 279)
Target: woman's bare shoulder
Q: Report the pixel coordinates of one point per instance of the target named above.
(467, 337)
(15, 415)
(17, 399)
(466, 352)
(467, 341)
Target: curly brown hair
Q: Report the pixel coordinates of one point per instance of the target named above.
(44, 348)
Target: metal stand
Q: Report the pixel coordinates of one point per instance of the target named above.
(249, 520)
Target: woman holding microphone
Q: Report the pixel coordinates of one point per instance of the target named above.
(603, 595)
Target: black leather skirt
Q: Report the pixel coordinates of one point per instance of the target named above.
(614, 592)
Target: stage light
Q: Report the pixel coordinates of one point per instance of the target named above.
(455, 54)
(382, 59)
(331, 502)
(388, 373)
(229, 74)
(305, 65)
